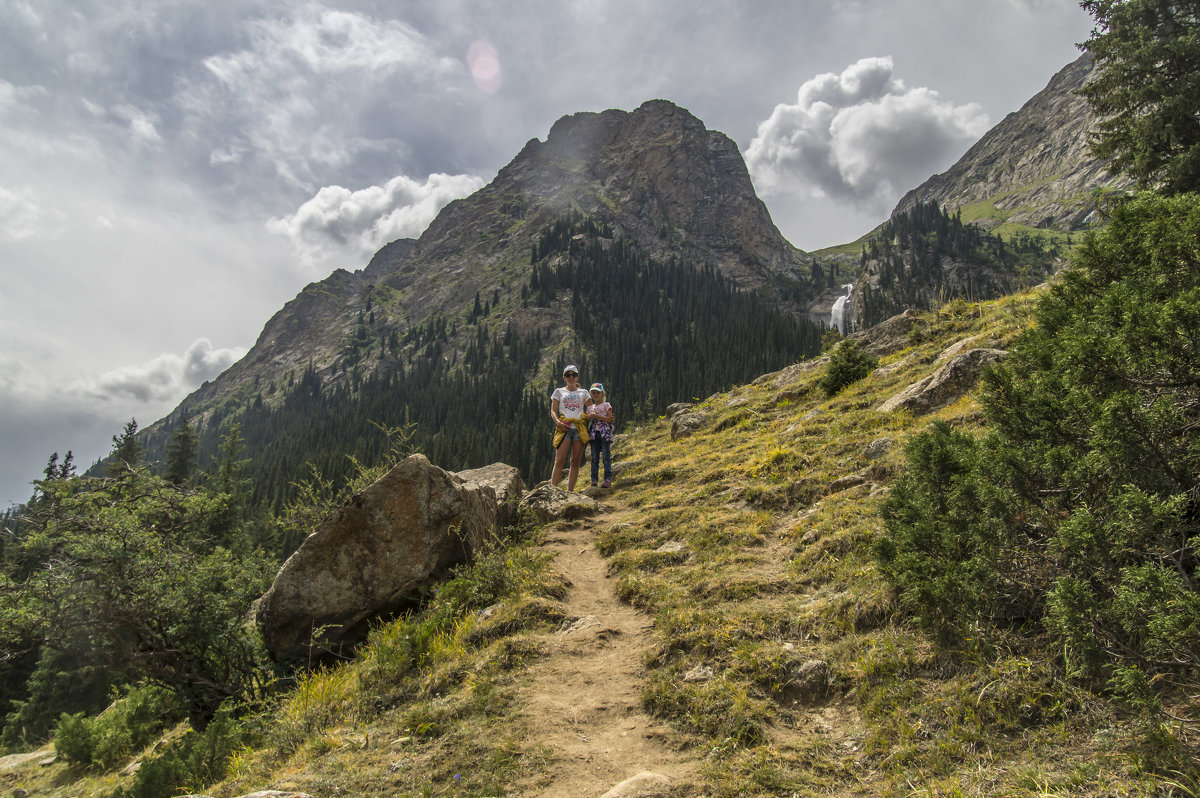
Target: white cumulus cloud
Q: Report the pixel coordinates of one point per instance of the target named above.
(354, 224)
(165, 378)
(862, 137)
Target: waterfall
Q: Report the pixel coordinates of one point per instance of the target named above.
(837, 316)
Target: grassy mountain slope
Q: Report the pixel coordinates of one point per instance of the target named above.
(745, 549)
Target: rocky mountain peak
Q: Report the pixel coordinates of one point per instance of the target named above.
(1033, 167)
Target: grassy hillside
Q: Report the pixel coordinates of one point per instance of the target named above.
(774, 662)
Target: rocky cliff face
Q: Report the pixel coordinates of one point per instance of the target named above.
(656, 176)
(1034, 168)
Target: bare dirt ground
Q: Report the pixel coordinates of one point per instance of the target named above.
(585, 703)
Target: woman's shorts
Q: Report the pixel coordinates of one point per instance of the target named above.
(572, 434)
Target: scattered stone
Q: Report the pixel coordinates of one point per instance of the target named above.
(643, 785)
(549, 503)
(670, 547)
(810, 682)
(700, 673)
(579, 624)
(369, 557)
(20, 793)
(686, 424)
(132, 768)
(878, 448)
(847, 482)
(677, 408)
(947, 384)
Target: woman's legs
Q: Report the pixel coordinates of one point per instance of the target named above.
(560, 460)
(576, 454)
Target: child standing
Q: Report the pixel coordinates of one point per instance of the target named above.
(601, 428)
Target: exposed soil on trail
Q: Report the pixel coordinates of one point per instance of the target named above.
(584, 703)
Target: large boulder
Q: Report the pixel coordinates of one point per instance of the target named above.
(369, 557)
(948, 383)
(505, 481)
(546, 503)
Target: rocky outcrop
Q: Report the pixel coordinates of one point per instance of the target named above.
(889, 336)
(369, 557)
(1034, 166)
(951, 381)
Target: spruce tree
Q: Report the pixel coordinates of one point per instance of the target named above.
(181, 453)
(1147, 89)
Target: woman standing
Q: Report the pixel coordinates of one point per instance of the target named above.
(568, 409)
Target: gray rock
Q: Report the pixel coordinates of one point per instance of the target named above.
(547, 503)
(643, 785)
(369, 557)
(686, 424)
(878, 448)
(506, 482)
(677, 408)
(810, 682)
(846, 482)
(948, 383)
(700, 673)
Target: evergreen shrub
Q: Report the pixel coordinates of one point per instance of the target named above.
(107, 740)
(1078, 507)
(847, 364)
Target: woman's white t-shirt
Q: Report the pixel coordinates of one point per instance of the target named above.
(571, 404)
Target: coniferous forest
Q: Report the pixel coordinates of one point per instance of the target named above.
(468, 394)
(914, 252)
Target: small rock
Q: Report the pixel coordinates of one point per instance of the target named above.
(878, 448)
(677, 408)
(686, 424)
(670, 547)
(700, 673)
(643, 785)
(570, 627)
(846, 482)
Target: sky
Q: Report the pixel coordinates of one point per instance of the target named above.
(173, 171)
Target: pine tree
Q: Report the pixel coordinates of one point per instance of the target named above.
(1147, 89)
(181, 453)
(127, 451)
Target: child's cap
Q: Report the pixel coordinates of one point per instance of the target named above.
(596, 387)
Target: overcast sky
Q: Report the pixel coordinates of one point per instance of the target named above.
(173, 171)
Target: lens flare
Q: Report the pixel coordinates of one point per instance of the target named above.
(484, 63)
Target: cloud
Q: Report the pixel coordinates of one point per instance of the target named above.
(861, 138)
(355, 224)
(302, 85)
(23, 216)
(165, 378)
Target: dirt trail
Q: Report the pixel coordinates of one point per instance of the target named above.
(585, 701)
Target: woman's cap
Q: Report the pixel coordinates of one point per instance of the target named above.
(571, 370)
(596, 387)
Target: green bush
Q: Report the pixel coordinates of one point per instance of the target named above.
(847, 364)
(1079, 506)
(107, 740)
(197, 760)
